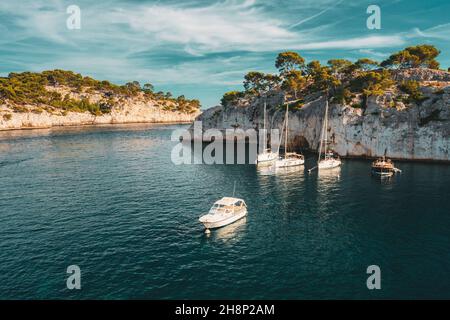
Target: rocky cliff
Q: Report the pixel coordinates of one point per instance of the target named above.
(404, 129)
(133, 110)
(124, 114)
(63, 98)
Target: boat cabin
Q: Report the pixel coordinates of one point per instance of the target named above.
(293, 155)
(383, 166)
(227, 205)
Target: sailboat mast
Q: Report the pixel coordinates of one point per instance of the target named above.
(265, 133)
(286, 135)
(322, 133)
(282, 130)
(326, 129)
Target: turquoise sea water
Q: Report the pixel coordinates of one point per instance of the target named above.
(109, 200)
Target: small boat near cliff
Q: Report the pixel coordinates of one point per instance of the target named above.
(267, 157)
(224, 212)
(330, 160)
(290, 159)
(384, 167)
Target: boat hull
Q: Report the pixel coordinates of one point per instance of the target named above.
(224, 222)
(329, 164)
(382, 174)
(266, 158)
(284, 163)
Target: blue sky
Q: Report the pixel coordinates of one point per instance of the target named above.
(203, 48)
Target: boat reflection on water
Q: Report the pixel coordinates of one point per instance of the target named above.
(328, 189)
(330, 174)
(289, 170)
(388, 183)
(232, 232)
(328, 180)
(266, 170)
(273, 169)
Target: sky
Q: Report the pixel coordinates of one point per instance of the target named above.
(203, 48)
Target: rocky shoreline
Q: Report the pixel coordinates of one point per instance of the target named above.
(29, 120)
(404, 131)
(138, 109)
(64, 98)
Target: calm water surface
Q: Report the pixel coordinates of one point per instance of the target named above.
(110, 200)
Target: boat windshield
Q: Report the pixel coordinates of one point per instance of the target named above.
(221, 208)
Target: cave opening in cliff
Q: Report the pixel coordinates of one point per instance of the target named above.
(300, 142)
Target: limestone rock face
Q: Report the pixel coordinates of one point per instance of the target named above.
(421, 74)
(413, 131)
(130, 110)
(127, 114)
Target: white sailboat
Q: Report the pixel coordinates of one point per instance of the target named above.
(290, 159)
(267, 156)
(330, 160)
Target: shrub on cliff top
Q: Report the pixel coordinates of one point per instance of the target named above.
(342, 95)
(366, 64)
(414, 57)
(341, 78)
(30, 88)
(289, 61)
(259, 83)
(231, 97)
(342, 69)
(372, 83)
(412, 88)
(321, 76)
(293, 82)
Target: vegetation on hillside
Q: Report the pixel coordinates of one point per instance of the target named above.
(30, 88)
(343, 79)
(414, 57)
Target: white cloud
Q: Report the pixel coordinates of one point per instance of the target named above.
(327, 8)
(354, 43)
(231, 25)
(234, 25)
(210, 72)
(441, 31)
(373, 53)
(224, 26)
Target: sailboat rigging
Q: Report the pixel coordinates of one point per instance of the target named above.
(267, 156)
(290, 159)
(330, 160)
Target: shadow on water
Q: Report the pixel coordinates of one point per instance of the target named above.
(229, 234)
(5, 163)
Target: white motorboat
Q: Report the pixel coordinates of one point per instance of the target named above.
(290, 159)
(384, 167)
(224, 212)
(267, 156)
